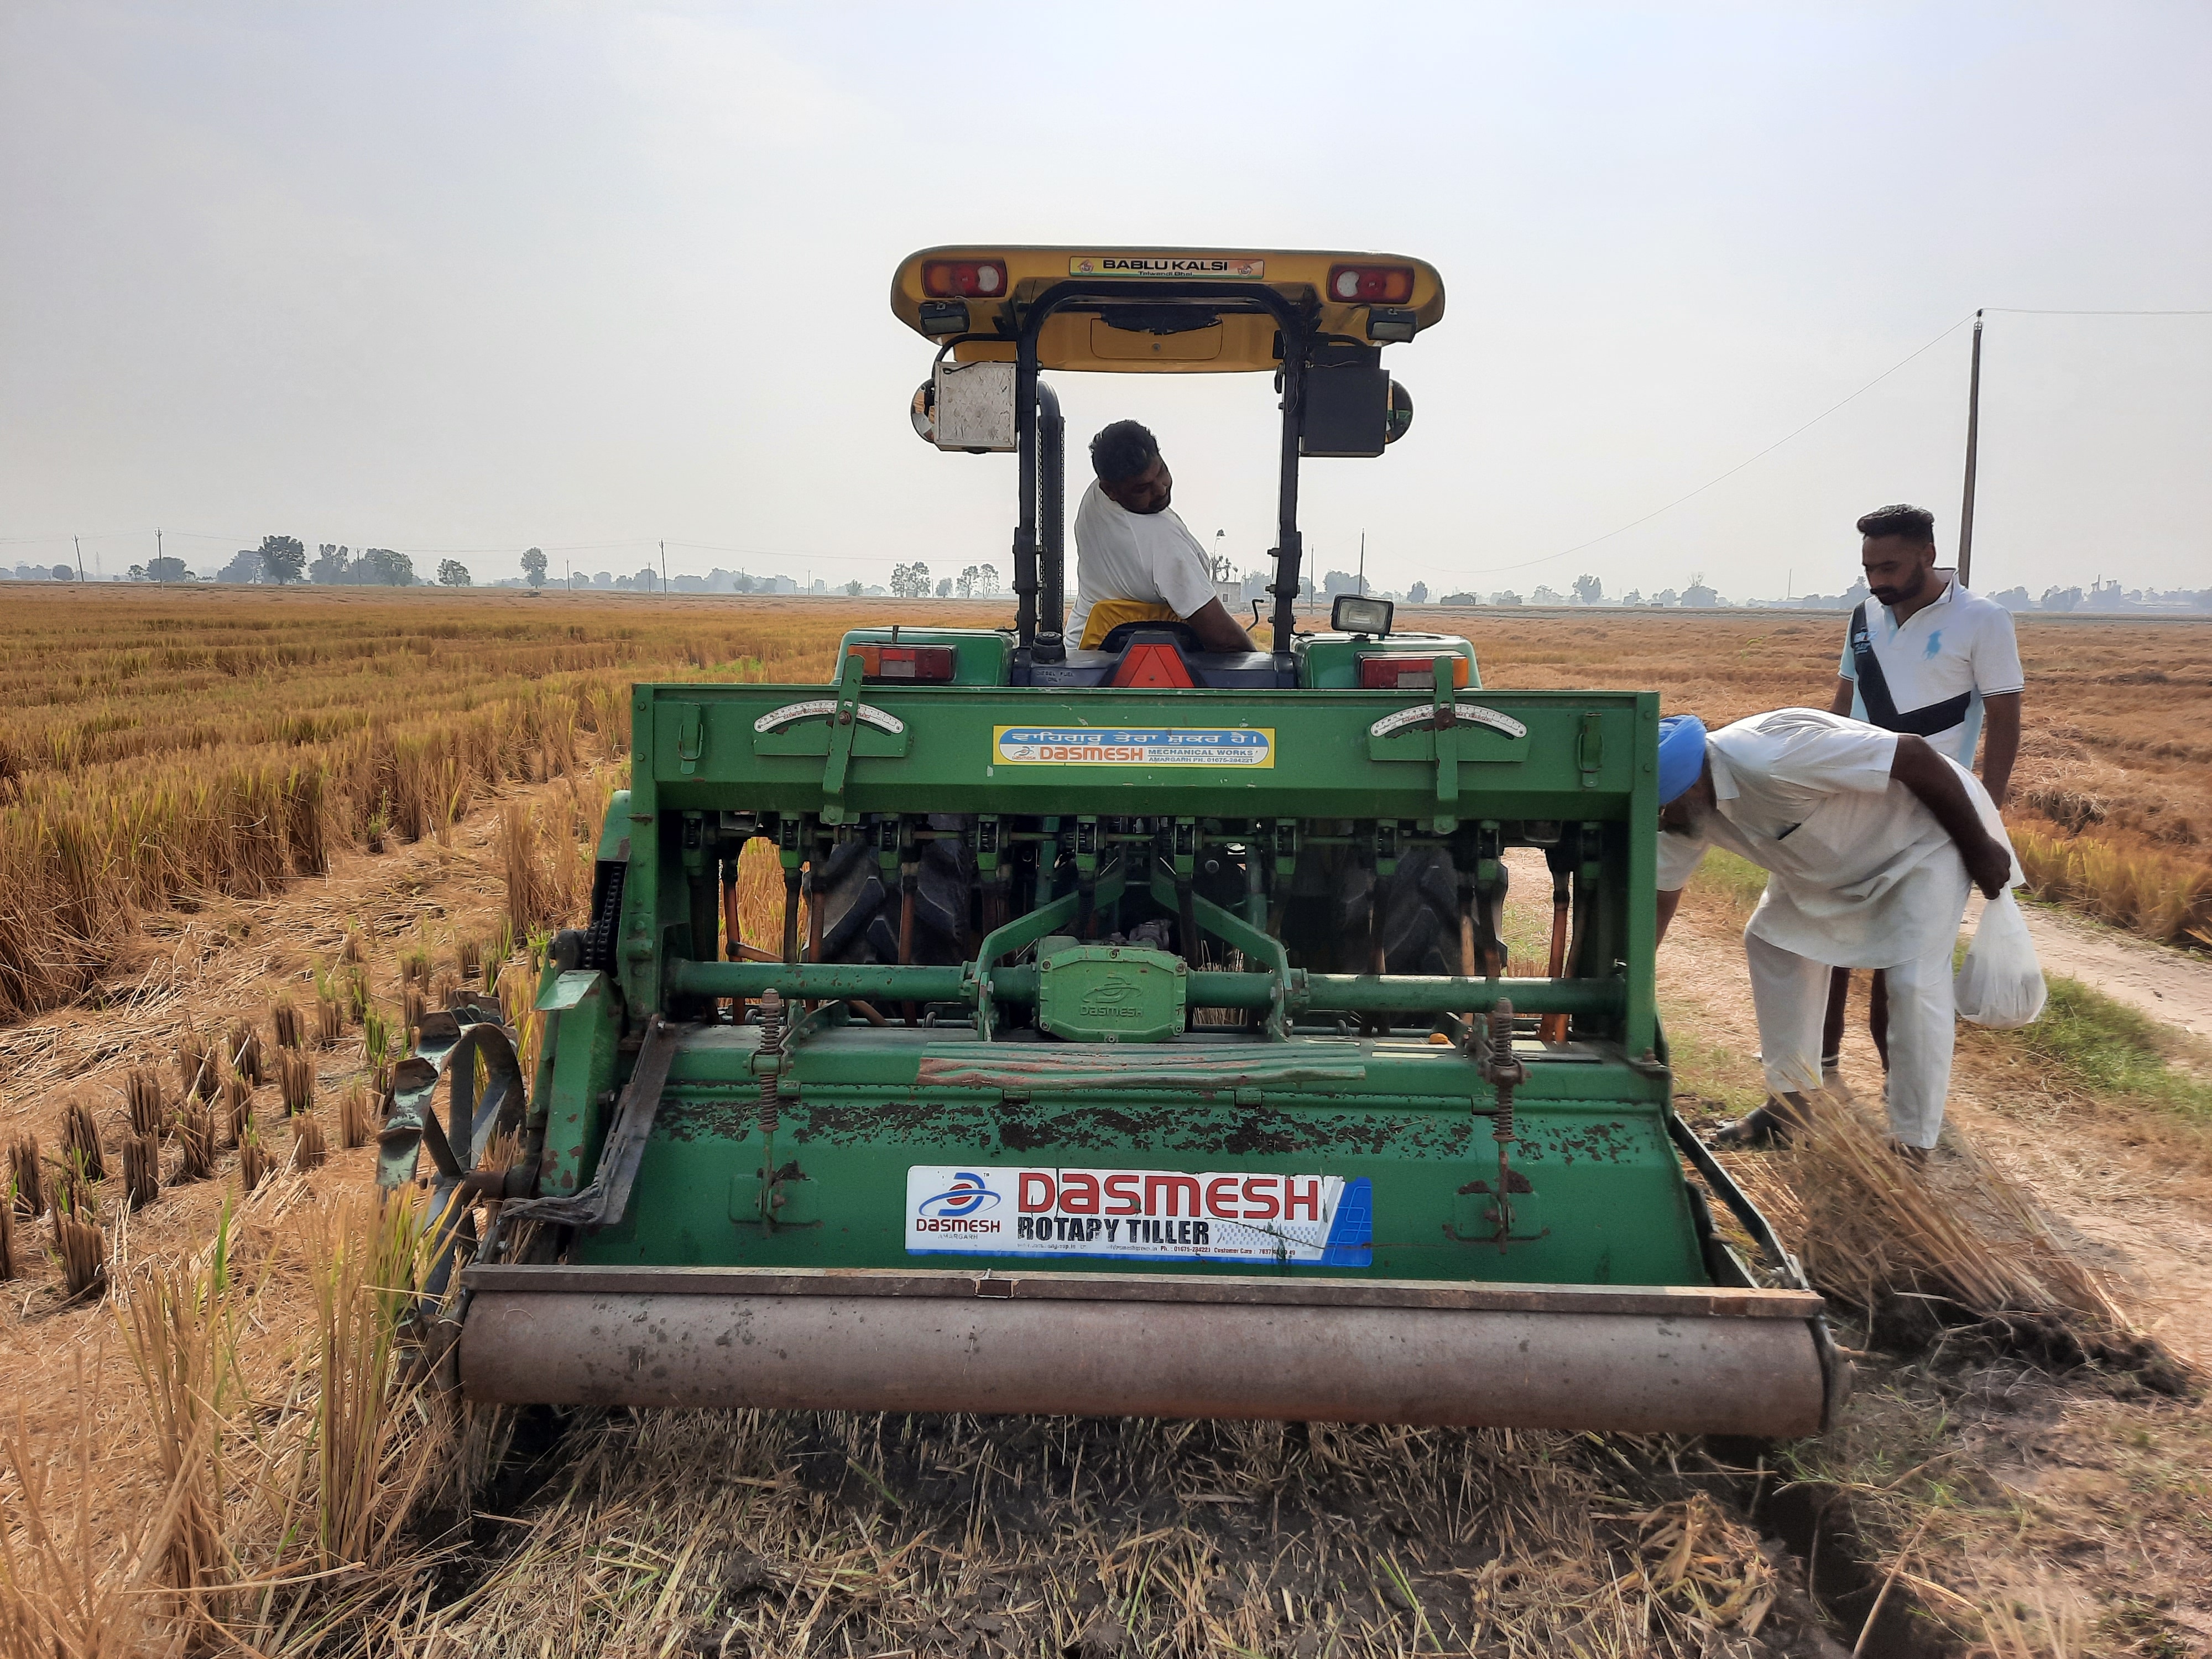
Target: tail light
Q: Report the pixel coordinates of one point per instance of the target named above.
(980, 279)
(1381, 285)
(905, 662)
(1381, 673)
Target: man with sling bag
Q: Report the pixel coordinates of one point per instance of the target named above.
(1923, 656)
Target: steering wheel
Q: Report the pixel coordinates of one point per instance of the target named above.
(1118, 637)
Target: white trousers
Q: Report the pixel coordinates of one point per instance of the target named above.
(1791, 995)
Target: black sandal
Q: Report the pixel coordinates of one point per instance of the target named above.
(1757, 1130)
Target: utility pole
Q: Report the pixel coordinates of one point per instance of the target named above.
(79, 545)
(664, 567)
(1363, 564)
(1973, 436)
(157, 541)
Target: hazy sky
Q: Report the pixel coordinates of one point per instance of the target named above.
(472, 277)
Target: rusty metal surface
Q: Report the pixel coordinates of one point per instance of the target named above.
(1659, 1301)
(605, 1201)
(1631, 1373)
(1066, 1067)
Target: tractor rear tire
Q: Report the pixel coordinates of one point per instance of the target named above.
(942, 889)
(860, 908)
(1417, 915)
(851, 890)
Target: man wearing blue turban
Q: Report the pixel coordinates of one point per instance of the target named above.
(1869, 840)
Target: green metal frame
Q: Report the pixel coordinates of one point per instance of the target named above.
(1298, 1087)
(699, 751)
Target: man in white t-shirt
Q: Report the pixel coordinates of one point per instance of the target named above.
(1869, 839)
(1134, 560)
(1926, 656)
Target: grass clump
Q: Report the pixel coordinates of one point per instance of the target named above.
(296, 1081)
(26, 1182)
(142, 1094)
(2102, 1046)
(79, 1243)
(81, 1142)
(142, 1171)
(252, 1159)
(196, 1143)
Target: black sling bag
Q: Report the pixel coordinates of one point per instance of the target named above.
(1880, 707)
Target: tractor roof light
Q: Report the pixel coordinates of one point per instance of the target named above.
(943, 317)
(1370, 285)
(964, 279)
(1391, 324)
(905, 662)
(1352, 614)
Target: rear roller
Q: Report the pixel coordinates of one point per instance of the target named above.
(1638, 1361)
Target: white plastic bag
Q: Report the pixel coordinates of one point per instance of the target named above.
(2000, 984)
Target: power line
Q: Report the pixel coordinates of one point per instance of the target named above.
(2031, 311)
(1583, 546)
(2012, 311)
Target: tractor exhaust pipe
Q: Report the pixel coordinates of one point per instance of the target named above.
(1637, 1361)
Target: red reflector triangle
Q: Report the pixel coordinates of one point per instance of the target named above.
(1151, 665)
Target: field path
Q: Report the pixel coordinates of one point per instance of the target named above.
(2164, 984)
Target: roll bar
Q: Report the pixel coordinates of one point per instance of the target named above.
(1040, 443)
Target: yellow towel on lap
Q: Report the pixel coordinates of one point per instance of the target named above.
(1108, 615)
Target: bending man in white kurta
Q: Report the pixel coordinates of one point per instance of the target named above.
(1869, 840)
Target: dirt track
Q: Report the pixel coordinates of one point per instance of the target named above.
(2172, 987)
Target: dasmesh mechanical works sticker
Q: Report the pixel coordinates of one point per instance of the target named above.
(1141, 1215)
(1169, 745)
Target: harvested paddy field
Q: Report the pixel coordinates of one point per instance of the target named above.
(215, 1448)
(2111, 797)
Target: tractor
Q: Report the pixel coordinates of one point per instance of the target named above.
(1150, 1044)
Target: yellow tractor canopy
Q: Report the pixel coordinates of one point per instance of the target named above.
(1149, 313)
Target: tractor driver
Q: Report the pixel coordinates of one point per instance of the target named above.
(1134, 560)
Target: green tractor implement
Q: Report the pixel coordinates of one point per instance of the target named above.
(1152, 1047)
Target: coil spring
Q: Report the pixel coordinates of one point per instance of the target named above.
(771, 1043)
(1504, 1072)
